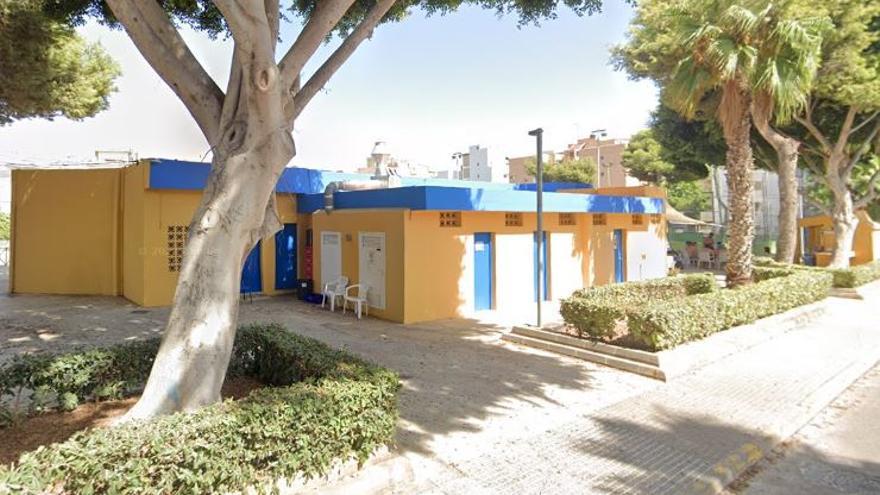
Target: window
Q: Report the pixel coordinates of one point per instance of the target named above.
(567, 219)
(638, 219)
(450, 219)
(599, 219)
(655, 218)
(513, 219)
(175, 243)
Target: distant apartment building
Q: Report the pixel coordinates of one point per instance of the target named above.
(608, 156)
(517, 168)
(475, 165)
(382, 162)
(765, 198)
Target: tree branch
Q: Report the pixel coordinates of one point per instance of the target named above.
(864, 122)
(363, 31)
(162, 46)
(326, 16)
(845, 130)
(864, 148)
(807, 122)
(871, 193)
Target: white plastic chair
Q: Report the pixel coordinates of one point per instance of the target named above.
(705, 258)
(359, 300)
(334, 290)
(722, 258)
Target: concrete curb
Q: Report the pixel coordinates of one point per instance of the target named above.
(684, 359)
(739, 462)
(380, 473)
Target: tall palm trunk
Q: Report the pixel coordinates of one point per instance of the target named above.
(787, 160)
(736, 122)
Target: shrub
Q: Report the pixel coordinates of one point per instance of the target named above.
(665, 324)
(848, 278)
(78, 376)
(597, 311)
(328, 406)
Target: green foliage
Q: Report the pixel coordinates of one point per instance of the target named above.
(46, 70)
(846, 278)
(644, 158)
(581, 170)
(665, 324)
(327, 406)
(83, 375)
(203, 15)
(688, 197)
(691, 144)
(5, 226)
(597, 311)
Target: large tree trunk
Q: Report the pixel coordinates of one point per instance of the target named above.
(196, 347)
(788, 202)
(736, 122)
(787, 161)
(843, 215)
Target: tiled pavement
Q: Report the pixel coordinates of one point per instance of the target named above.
(693, 435)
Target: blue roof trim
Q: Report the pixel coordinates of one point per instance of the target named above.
(465, 199)
(178, 174)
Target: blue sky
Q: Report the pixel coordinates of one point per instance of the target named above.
(427, 86)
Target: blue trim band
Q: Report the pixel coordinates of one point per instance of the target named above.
(460, 199)
(193, 176)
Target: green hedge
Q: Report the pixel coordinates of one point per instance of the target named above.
(326, 405)
(596, 311)
(848, 278)
(665, 324)
(70, 378)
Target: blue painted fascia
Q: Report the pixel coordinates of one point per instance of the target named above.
(193, 176)
(466, 199)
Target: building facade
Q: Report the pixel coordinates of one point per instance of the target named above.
(608, 156)
(428, 249)
(476, 166)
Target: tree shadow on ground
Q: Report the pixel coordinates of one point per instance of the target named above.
(672, 453)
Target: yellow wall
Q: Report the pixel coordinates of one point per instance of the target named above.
(101, 231)
(164, 208)
(64, 237)
(820, 234)
(134, 181)
(349, 223)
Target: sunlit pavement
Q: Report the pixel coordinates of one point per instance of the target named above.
(482, 416)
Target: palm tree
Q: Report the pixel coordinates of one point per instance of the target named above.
(753, 55)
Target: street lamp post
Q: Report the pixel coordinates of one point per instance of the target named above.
(539, 172)
(598, 134)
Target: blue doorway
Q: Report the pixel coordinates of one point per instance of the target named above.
(618, 256)
(251, 279)
(482, 270)
(545, 267)
(285, 257)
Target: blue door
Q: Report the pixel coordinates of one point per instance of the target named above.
(618, 256)
(251, 280)
(482, 270)
(544, 266)
(285, 257)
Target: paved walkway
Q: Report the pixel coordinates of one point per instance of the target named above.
(837, 453)
(693, 435)
(482, 416)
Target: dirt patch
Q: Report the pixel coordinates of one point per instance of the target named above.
(57, 427)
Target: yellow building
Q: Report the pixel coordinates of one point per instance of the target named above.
(820, 241)
(428, 249)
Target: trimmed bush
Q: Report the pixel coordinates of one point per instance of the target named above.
(846, 278)
(71, 378)
(665, 324)
(597, 311)
(326, 406)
